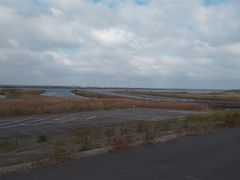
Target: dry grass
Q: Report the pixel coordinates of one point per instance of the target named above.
(123, 136)
(21, 93)
(84, 137)
(121, 142)
(22, 102)
(20, 107)
(119, 137)
(225, 96)
(62, 153)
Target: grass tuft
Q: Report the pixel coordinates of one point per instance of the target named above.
(42, 138)
(121, 142)
(63, 154)
(8, 145)
(83, 140)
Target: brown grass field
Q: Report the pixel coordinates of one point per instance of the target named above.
(224, 96)
(20, 107)
(21, 93)
(29, 102)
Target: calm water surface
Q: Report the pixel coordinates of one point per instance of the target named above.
(59, 93)
(2, 97)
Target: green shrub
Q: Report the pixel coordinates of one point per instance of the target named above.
(8, 145)
(42, 138)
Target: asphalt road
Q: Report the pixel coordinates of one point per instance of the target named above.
(60, 123)
(131, 96)
(208, 157)
(210, 103)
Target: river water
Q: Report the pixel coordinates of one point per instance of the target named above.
(53, 92)
(2, 97)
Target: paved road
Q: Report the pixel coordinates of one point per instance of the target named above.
(209, 157)
(210, 103)
(34, 125)
(131, 96)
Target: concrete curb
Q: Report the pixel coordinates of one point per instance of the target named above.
(35, 164)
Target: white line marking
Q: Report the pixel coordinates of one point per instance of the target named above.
(10, 122)
(11, 126)
(6, 121)
(191, 178)
(89, 118)
(38, 122)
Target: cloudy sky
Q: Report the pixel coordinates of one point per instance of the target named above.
(140, 43)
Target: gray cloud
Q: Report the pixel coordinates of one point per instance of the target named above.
(177, 43)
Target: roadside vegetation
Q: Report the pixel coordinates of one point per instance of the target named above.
(232, 96)
(56, 148)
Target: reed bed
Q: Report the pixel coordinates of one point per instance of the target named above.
(54, 105)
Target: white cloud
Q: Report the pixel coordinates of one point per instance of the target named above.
(175, 43)
(146, 66)
(112, 36)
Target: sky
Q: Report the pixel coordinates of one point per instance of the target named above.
(136, 43)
